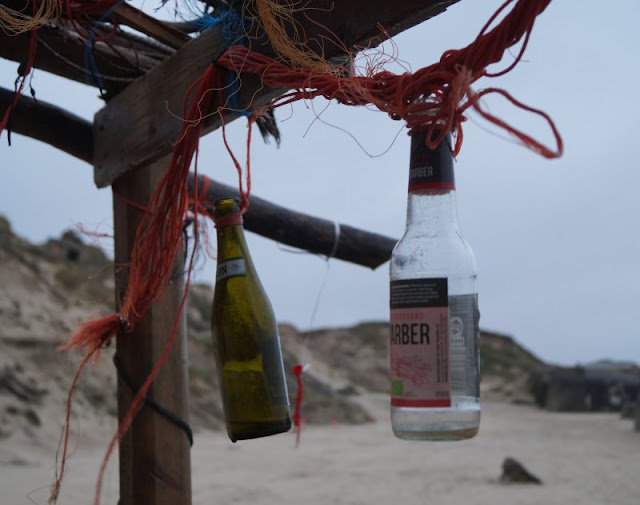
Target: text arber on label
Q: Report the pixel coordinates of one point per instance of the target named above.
(418, 172)
(410, 333)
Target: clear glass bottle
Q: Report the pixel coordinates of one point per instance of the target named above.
(434, 309)
(245, 337)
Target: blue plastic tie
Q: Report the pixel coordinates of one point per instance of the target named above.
(233, 32)
(90, 66)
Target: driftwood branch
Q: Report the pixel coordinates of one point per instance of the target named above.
(49, 124)
(306, 232)
(73, 135)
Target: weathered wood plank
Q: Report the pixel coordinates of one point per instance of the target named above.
(137, 126)
(62, 54)
(155, 466)
(138, 20)
(358, 23)
(141, 124)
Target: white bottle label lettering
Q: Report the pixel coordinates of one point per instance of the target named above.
(230, 268)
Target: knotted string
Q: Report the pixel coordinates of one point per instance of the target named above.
(234, 33)
(435, 98)
(299, 369)
(297, 419)
(23, 72)
(157, 240)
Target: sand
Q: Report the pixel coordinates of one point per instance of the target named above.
(581, 458)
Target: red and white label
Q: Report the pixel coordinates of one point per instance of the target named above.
(419, 338)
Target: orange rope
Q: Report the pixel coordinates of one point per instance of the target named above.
(157, 239)
(434, 98)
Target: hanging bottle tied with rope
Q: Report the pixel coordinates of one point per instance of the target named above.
(245, 337)
(435, 392)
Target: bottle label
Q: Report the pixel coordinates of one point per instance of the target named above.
(419, 338)
(463, 353)
(428, 168)
(230, 268)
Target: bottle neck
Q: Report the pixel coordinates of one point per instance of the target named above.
(432, 195)
(432, 209)
(231, 242)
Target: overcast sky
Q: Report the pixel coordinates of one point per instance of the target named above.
(557, 242)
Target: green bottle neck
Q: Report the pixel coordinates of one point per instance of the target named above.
(232, 243)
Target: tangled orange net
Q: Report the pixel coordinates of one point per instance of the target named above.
(436, 97)
(15, 22)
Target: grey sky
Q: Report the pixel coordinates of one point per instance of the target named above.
(556, 241)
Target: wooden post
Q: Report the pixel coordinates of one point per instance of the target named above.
(155, 466)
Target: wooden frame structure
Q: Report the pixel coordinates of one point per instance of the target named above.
(154, 453)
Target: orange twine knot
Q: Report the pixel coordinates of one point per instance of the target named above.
(433, 98)
(298, 370)
(461, 85)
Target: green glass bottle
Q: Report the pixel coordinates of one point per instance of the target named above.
(245, 337)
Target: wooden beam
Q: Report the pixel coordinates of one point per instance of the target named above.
(138, 20)
(306, 232)
(141, 124)
(50, 124)
(155, 464)
(62, 53)
(147, 108)
(357, 23)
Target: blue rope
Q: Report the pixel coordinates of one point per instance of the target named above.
(232, 30)
(234, 33)
(90, 66)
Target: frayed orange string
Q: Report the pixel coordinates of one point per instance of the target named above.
(244, 193)
(433, 98)
(95, 334)
(138, 399)
(157, 239)
(90, 338)
(55, 490)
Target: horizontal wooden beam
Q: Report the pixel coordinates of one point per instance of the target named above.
(313, 234)
(61, 52)
(139, 126)
(50, 124)
(123, 14)
(162, 32)
(72, 134)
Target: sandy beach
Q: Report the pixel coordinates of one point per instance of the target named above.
(581, 458)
